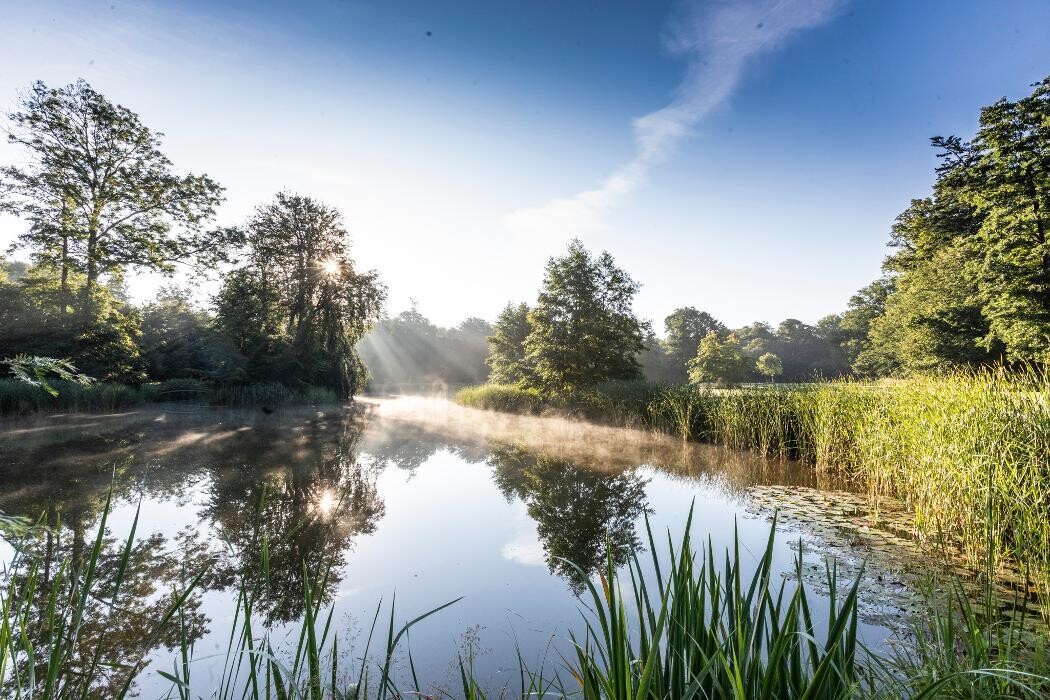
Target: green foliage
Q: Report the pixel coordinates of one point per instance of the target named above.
(100, 338)
(965, 649)
(1005, 175)
(583, 330)
(932, 320)
(970, 277)
(298, 307)
(37, 371)
(720, 360)
(684, 328)
(507, 361)
(769, 365)
(98, 193)
(179, 341)
(19, 398)
(509, 398)
(707, 631)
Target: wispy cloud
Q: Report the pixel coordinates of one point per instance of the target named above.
(717, 38)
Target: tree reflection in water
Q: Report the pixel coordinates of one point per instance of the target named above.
(318, 497)
(309, 509)
(582, 515)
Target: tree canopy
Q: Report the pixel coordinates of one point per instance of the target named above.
(583, 330)
(507, 361)
(98, 194)
(298, 306)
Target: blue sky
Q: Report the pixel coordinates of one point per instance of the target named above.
(747, 158)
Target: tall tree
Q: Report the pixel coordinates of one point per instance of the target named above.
(1005, 176)
(583, 329)
(298, 306)
(507, 361)
(98, 193)
(854, 324)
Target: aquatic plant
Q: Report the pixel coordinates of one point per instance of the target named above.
(508, 398)
(706, 631)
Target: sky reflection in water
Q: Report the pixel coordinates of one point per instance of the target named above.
(412, 495)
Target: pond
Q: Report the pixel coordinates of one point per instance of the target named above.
(416, 497)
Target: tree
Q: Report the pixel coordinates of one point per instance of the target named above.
(1005, 176)
(298, 307)
(685, 327)
(102, 344)
(720, 360)
(970, 275)
(179, 340)
(864, 307)
(583, 329)
(507, 360)
(769, 365)
(99, 195)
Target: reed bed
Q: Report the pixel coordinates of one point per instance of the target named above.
(20, 398)
(968, 453)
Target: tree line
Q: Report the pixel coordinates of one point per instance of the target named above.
(967, 282)
(100, 200)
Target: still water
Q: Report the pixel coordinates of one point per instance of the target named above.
(409, 496)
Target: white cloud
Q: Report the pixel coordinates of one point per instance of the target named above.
(717, 38)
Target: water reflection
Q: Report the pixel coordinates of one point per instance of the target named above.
(309, 509)
(312, 486)
(581, 516)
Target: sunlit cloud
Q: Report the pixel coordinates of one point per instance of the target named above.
(717, 39)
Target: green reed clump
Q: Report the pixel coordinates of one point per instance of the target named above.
(969, 454)
(706, 631)
(20, 398)
(962, 648)
(770, 420)
(507, 398)
(682, 411)
(628, 403)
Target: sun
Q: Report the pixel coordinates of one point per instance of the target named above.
(330, 266)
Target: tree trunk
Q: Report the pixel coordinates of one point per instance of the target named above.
(1040, 231)
(65, 269)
